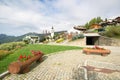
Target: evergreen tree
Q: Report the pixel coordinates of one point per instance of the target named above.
(93, 21)
(87, 25)
(99, 20)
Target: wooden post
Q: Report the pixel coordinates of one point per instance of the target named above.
(22, 67)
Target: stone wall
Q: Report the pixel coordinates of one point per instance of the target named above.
(108, 41)
(78, 42)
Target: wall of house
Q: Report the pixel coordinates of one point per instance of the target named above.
(96, 40)
(108, 41)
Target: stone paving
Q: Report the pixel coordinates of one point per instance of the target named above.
(68, 65)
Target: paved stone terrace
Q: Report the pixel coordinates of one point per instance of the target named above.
(69, 65)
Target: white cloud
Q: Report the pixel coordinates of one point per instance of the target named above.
(36, 15)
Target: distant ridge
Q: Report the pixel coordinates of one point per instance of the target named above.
(6, 38)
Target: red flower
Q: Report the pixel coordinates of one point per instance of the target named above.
(39, 52)
(96, 47)
(35, 53)
(21, 56)
(29, 57)
(24, 56)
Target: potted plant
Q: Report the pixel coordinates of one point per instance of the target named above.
(24, 62)
(97, 50)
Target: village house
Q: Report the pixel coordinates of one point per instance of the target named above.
(95, 26)
(31, 39)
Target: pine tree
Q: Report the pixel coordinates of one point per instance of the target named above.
(93, 21)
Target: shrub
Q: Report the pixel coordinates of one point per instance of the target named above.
(4, 53)
(78, 37)
(46, 41)
(112, 31)
(74, 37)
(11, 46)
(26, 41)
(42, 39)
(7, 48)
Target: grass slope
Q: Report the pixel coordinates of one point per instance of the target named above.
(46, 49)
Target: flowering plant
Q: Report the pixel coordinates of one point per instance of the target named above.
(23, 58)
(96, 47)
(35, 53)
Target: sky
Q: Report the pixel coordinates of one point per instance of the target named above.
(18, 17)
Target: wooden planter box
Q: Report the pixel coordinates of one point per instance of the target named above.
(23, 67)
(103, 52)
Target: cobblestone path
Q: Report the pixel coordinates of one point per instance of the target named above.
(70, 65)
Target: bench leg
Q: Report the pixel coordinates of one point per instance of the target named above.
(27, 69)
(39, 60)
(87, 53)
(103, 54)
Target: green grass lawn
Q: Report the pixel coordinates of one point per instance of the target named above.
(46, 49)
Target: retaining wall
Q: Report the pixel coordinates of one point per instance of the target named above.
(108, 41)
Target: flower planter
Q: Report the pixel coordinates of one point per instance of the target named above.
(23, 67)
(103, 52)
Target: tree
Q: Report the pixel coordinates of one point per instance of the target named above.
(87, 25)
(93, 21)
(99, 20)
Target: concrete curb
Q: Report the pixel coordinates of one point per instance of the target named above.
(4, 74)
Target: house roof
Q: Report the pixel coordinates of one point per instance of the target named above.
(79, 28)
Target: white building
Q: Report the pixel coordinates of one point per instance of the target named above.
(52, 32)
(31, 39)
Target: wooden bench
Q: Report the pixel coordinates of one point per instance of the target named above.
(103, 52)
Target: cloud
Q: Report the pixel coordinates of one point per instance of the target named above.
(22, 16)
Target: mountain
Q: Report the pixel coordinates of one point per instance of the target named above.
(6, 38)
